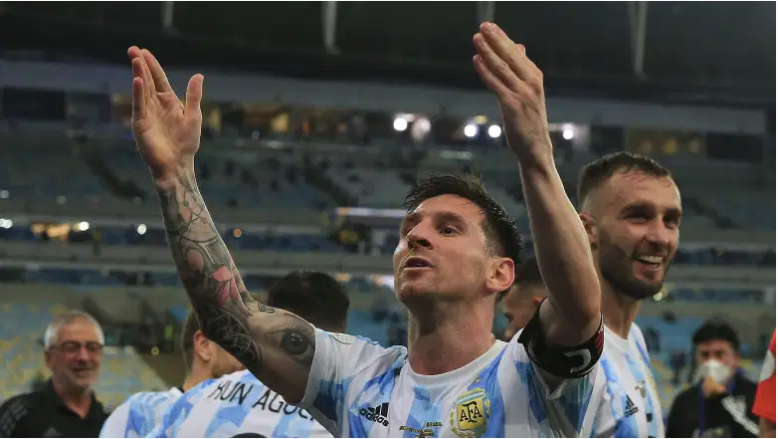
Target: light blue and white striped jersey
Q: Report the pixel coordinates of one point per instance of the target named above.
(234, 405)
(139, 414)
(631, 406)
(357, 388)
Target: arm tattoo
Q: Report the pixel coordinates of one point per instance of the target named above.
(226, 311)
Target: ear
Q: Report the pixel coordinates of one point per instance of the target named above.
(47, 356)
(202, 347)
(590, 225)
(502, 275)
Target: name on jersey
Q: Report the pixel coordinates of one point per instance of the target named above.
(238, 392)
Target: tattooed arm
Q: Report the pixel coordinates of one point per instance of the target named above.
(275, 345)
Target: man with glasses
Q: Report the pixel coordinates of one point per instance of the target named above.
(66, 406)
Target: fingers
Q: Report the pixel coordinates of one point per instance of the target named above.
(157, 73)
(194, 94)
(495, 64)
(490, 79)
(138, 100)
(139, 91)
(506, 50)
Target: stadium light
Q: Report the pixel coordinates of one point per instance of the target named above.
(400, 124)
(141, 229)
(471, 130)
(495, 131)
(83, 226)
(568, 133)
(3, 193)
(6, 223)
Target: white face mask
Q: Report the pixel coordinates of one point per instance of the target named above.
(715, 369)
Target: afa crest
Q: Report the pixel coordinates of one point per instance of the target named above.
(470, 414)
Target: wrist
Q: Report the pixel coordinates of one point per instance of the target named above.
(170, 177)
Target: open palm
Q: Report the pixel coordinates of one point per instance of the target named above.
(166, 132)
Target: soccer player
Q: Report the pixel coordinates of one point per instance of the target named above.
(764, 406)
(141, 412)
(238, 404)
(524, 297)
(631, 209)
(458, 250)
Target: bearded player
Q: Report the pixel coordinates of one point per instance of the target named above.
(631, 209)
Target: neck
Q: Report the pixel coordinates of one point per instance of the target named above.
(199, 373)
(446, 336)
(618, 310)
(77, 399)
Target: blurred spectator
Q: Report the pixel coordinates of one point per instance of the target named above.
(677, 363)
(653, 344)
(66, 406)
(524, 297)
(764, 407)
(719, 404)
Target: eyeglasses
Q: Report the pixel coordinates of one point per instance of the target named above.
(74, 347)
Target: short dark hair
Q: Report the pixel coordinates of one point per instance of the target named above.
(716, 330)
(598, 171)
(190, 327)
(529, 273)
(500, 229)
(315, 296)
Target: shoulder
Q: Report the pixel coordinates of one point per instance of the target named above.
(19, 402)
(636, 334)
(687, 396)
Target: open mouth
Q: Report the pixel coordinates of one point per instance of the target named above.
(416, 262)
(650, 261)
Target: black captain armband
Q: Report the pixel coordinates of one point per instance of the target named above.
(561, 361)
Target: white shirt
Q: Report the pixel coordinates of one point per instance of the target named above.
(631, 406)
(357, 388)
(233, 405)
(139, 414)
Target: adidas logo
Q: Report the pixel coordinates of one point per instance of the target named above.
(377, 414)
(630, 408)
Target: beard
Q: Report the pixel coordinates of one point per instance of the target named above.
(616, 269)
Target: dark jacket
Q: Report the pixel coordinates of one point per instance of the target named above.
(726, 415)
(42, 413)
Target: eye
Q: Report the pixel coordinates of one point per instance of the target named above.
(447, 230)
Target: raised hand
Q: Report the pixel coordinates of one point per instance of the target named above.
(504, 67)
(167, 133)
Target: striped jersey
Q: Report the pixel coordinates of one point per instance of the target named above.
(357, 388)
(236, 405)
(139, 414)
(630, 407)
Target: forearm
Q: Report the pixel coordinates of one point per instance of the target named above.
(572, 313)
(275, 345)
(217, 292)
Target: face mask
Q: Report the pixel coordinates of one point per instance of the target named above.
(715, 369)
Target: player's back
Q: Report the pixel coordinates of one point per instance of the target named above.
(139, 414)
(631, 406)
(235, 405)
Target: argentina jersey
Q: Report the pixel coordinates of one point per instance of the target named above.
(139, 414)
(357, 388)
(631, 405)
(236, 405)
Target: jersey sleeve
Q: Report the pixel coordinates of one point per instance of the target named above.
(338, 359)
(764, 406)
(569, 408)
(116, 424)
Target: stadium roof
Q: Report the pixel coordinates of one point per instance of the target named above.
(694, 51)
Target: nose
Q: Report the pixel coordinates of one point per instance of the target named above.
(417, 237)
(659, 235)
(83, 354)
